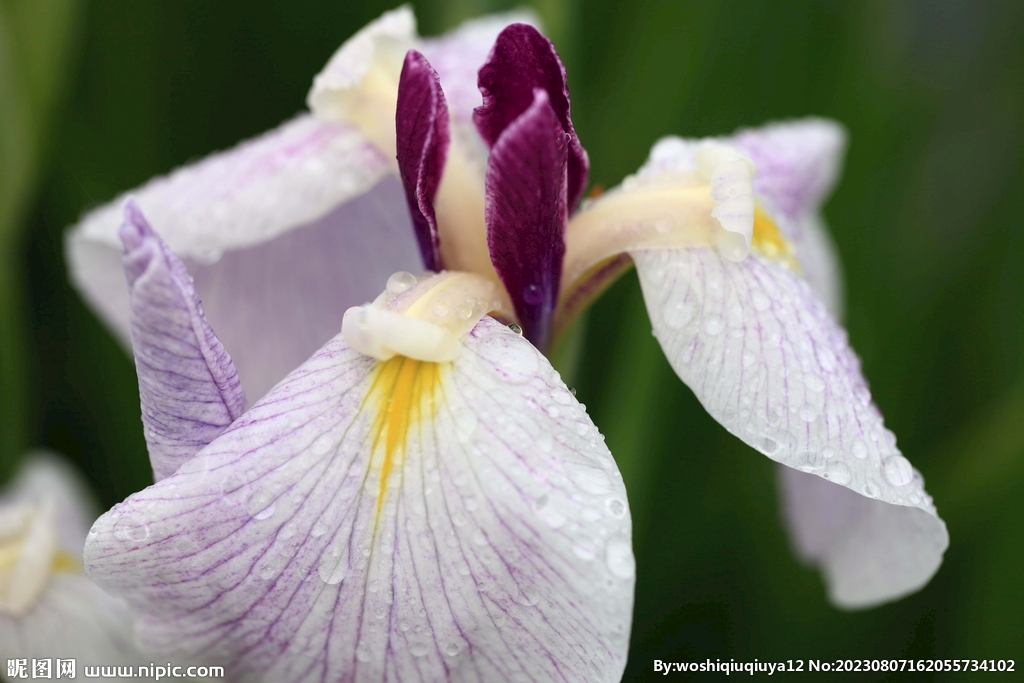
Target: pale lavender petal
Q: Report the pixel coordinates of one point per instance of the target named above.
(500, 548)
(767, 361)
(798, 162)
(421, 123)
(522, 61)
(526, 213)
(274, 304)
(188, 385)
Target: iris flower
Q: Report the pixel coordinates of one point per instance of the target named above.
(424, 498)
(49, 609)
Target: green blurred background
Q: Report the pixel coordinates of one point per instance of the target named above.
(96, 97)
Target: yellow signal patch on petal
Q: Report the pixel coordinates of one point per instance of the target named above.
(405, 391)
(769, 241)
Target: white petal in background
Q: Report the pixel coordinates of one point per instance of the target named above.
(766, 360)
(71, 617)
(502, 549)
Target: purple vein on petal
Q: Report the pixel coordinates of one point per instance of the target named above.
(521, 61)
(188, 385)
(421, 126)
(526, 213)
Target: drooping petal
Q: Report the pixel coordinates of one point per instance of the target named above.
(421, 122)
(274, 304)
(395, 521)
(767, 361)
(188, 385)
(526, 214)
(522, 61)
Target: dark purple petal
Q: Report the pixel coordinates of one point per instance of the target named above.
(421, 125)
(188, 385)
(523, 60)
(526, 214)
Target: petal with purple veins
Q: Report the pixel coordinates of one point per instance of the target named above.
(767, 361)
(402, 519)
(522, 61)
(421, 123)
(188, 385)
(526, 214)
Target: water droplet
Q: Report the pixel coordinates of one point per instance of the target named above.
(838, 473)
(465, 424)
(463, 312)
(616, 507)
(898, 470)
(678, 310)
(333, 566)
(870, 490)
(322, 444)
(439, 309)
(828, 452)
(591, 480)
(863, 395)
(452, 649)
(516, 328)
(548, 513)
(768, 446)
(546, 441)
(418, 648)
(713, 325)
(363, 653)
(859, 448)
(530, 596)
(267, 572)
(533, 294)
(319, 529)
(808, 413)
(620, 559)
(814, 383)
(400, 282)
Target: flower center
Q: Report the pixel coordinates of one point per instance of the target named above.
(423, 319)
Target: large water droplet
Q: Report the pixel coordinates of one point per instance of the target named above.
(333, 565)
(400, 282)
(768, 446)
(616, 507)
(620, 559)
(859, 448)
(898, 470)
(452, 649)
(418, 648)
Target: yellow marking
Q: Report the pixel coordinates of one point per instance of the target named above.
(62, 561)
(66, 562)
(769, 241)
(405, 390)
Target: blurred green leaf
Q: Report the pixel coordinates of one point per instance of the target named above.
(979, 466)
(34, 41)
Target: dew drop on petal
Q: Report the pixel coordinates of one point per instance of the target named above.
(516, 328)
(452, 649)
(620, 559)
(859, 448)
(400, 282)
(616, 507)
(898, 470)
(418, 648)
